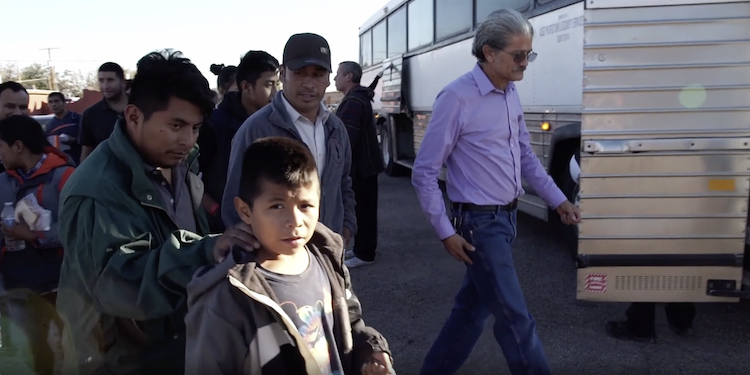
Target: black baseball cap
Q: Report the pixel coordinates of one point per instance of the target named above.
(307, 49)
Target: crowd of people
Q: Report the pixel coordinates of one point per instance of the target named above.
(196, 232)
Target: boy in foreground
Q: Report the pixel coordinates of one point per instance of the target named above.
(287, 308)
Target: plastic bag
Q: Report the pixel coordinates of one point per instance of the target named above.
(35, 216)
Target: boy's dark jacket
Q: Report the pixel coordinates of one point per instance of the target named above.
(236, 326)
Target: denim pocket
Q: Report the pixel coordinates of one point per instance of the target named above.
(479, 220)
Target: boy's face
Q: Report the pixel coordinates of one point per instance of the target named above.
(283, 219)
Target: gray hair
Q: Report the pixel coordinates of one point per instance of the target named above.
(498, 29)
(350, 67)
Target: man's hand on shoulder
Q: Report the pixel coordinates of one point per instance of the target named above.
(239, 235)
(569, 213)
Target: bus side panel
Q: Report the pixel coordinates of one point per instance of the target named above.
(665, 159)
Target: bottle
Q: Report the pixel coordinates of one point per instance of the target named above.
(9, 218)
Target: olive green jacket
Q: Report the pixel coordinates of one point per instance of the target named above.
(122, 286)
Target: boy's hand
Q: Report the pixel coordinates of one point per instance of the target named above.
(19, 231)
(380, 364)
(239, 235)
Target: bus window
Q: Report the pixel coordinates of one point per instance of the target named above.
(397, 32)
(485, 7)
(379, 43)
(420, 23)
(365, 49)
(452, 17)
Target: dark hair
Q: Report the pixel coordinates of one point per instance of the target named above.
(278, 160)
(24, 129)
(128, 84)
(12, 86)
(253, 64)
(114, 68)
(226, 75)
(166, 74)
(350, 67)
(57, 94)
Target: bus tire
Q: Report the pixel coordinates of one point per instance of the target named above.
(392, 169)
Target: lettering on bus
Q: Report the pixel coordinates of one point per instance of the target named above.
(563, 23)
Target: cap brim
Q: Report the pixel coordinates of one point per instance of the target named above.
(298, 64)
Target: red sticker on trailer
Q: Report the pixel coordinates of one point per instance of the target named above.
(596, 282)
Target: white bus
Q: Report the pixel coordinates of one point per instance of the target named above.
(422, 45)
(644, 103)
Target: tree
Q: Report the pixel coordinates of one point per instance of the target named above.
(36, 76)
(73, 83)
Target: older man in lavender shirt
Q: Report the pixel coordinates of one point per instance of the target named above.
(478, 130)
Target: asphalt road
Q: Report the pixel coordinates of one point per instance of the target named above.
(408, 293)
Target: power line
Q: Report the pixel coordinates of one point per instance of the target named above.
(52, 76)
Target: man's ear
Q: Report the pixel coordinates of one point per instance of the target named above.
(133, 116)
(246, 214)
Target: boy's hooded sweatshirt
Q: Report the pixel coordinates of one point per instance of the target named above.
(236, 326)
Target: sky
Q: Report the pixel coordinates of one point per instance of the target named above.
(207, 32)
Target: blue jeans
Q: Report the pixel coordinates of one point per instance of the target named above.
(490, 287)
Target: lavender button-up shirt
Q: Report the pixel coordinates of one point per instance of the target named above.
(479, 132)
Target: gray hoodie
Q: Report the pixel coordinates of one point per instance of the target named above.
(337, 203)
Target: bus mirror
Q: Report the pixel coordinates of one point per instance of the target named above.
(575, 169)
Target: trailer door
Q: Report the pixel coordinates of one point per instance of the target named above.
(665, 154)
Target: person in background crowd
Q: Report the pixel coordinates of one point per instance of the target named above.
(99, 119)
(257, 78)
(14, 100)
(66, 123)
(298, 112)
(226, 79)
(31, 275)
(355, 111)
(131, 222)
(640, 324)
(478, 130)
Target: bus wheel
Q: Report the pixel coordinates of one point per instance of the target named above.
(386, 150)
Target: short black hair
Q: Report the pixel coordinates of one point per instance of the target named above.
(24, 129)
(253, 64)
(351, 67)
(57, 94)
(278, 160)
(114, 68)
(166, 74)
(12, 86)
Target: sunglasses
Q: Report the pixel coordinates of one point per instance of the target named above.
(521, 56)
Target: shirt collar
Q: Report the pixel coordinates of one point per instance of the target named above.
(484, 84)
(27, 175)
(323, 112)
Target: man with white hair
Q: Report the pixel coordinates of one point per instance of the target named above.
(477, 129)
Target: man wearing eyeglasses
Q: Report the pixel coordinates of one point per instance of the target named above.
(477, 129)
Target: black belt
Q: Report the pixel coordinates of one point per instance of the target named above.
(476, 207)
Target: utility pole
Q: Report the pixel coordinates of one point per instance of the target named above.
(52, 76)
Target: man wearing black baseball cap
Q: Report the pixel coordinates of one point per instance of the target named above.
(297, 112)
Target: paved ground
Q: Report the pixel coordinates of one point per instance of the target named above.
(408, 294)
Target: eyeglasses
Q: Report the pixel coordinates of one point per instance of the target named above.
(521, 56)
